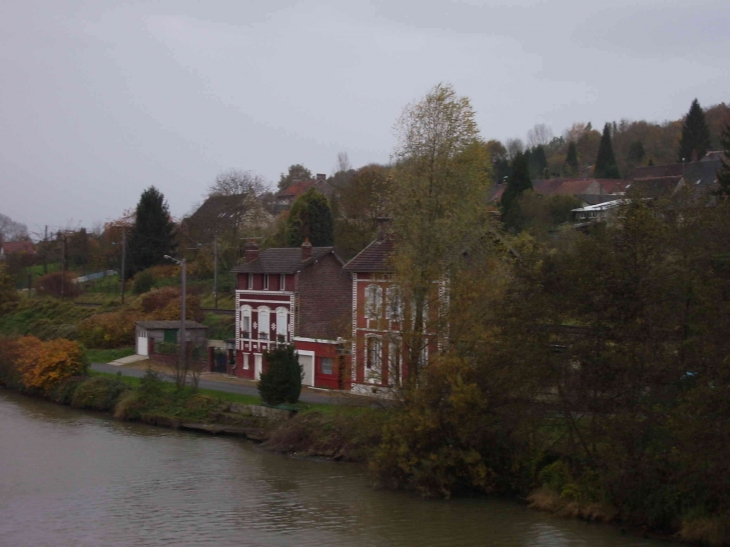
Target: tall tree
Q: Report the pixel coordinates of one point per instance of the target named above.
(518, 182)
(441, 179)
(79, 249)
(695, 135)
(295, 172)
(310, 217)
(153, 233)
(571, 160)
(236, 182)
(11, 230)
(606, 167)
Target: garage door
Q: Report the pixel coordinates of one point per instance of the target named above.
(307, 363)
(142, 348)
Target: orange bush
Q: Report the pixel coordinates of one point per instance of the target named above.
(43, 365)
(109, 330)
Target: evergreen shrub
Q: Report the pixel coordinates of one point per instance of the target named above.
(143, 282)
(282, 381)
(100, 393)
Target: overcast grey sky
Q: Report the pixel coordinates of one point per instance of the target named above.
(100, 99)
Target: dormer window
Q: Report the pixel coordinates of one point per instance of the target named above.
(266, 282)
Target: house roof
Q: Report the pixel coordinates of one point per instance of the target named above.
(694, 172)
(165, 325)
(286, 260)
(296, 189)
(374, 257)
(655, 186)
(217, 211)
(18, 247)
(568, 186)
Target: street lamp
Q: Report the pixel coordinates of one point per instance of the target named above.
(183, 337)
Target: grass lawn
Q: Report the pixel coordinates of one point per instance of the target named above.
(248, 399)
(108, 355)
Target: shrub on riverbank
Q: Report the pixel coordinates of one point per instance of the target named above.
(43, 365)
(99, 393)
(345, 434)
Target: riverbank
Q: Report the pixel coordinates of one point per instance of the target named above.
(374, 436)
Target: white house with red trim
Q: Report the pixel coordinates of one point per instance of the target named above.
(299, 296)
(378, 312)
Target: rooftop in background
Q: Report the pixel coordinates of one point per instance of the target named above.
(286, 260)
(374, 257)
(9, 247)
(695, 172)
(654, 187)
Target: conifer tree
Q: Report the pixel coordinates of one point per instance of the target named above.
(695, 135)
(606, 167)
(519, 182)
(571, 160)
(310, 217)
(153, 234)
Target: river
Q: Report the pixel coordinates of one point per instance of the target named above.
(72, 478)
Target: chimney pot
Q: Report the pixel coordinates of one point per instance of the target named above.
(306, 250)
(251, 251)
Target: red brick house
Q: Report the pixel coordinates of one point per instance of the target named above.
(299, 296)
(378, 312)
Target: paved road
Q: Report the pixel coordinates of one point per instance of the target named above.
(306, 396)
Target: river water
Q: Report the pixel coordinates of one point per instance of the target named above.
(82, 479)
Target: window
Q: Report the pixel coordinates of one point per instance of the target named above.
(394, 303)
(250, 281)
(327, 365)
(264, 323)
(266, 282)
(374, 353)
(282, 282)
(246, 321)
(281, 324)
(395, 358)
(373, 299)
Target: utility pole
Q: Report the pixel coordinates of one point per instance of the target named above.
(215, 270)
(63, 263)
(124, 257)
(183, 335)
(45, 251)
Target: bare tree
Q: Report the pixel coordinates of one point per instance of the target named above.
(343, 163)
(541, 134)
(514, 147)
(11, 230)
(236, 182)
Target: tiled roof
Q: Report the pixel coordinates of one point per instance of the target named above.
(374, 257)
(655, 186)
(156, 325)
(18, 247)
(297, 189)
(286, 260)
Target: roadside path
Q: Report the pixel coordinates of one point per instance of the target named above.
(307, 396)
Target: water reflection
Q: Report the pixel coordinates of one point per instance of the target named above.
(75, 478)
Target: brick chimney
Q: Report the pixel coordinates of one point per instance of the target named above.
(252, 251)
(321, 177)
(306, 250)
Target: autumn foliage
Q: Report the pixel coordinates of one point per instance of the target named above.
(43, 365)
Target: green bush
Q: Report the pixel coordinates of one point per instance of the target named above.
(99, 393)
(282, 381)
(66, 389)
(143, 282)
